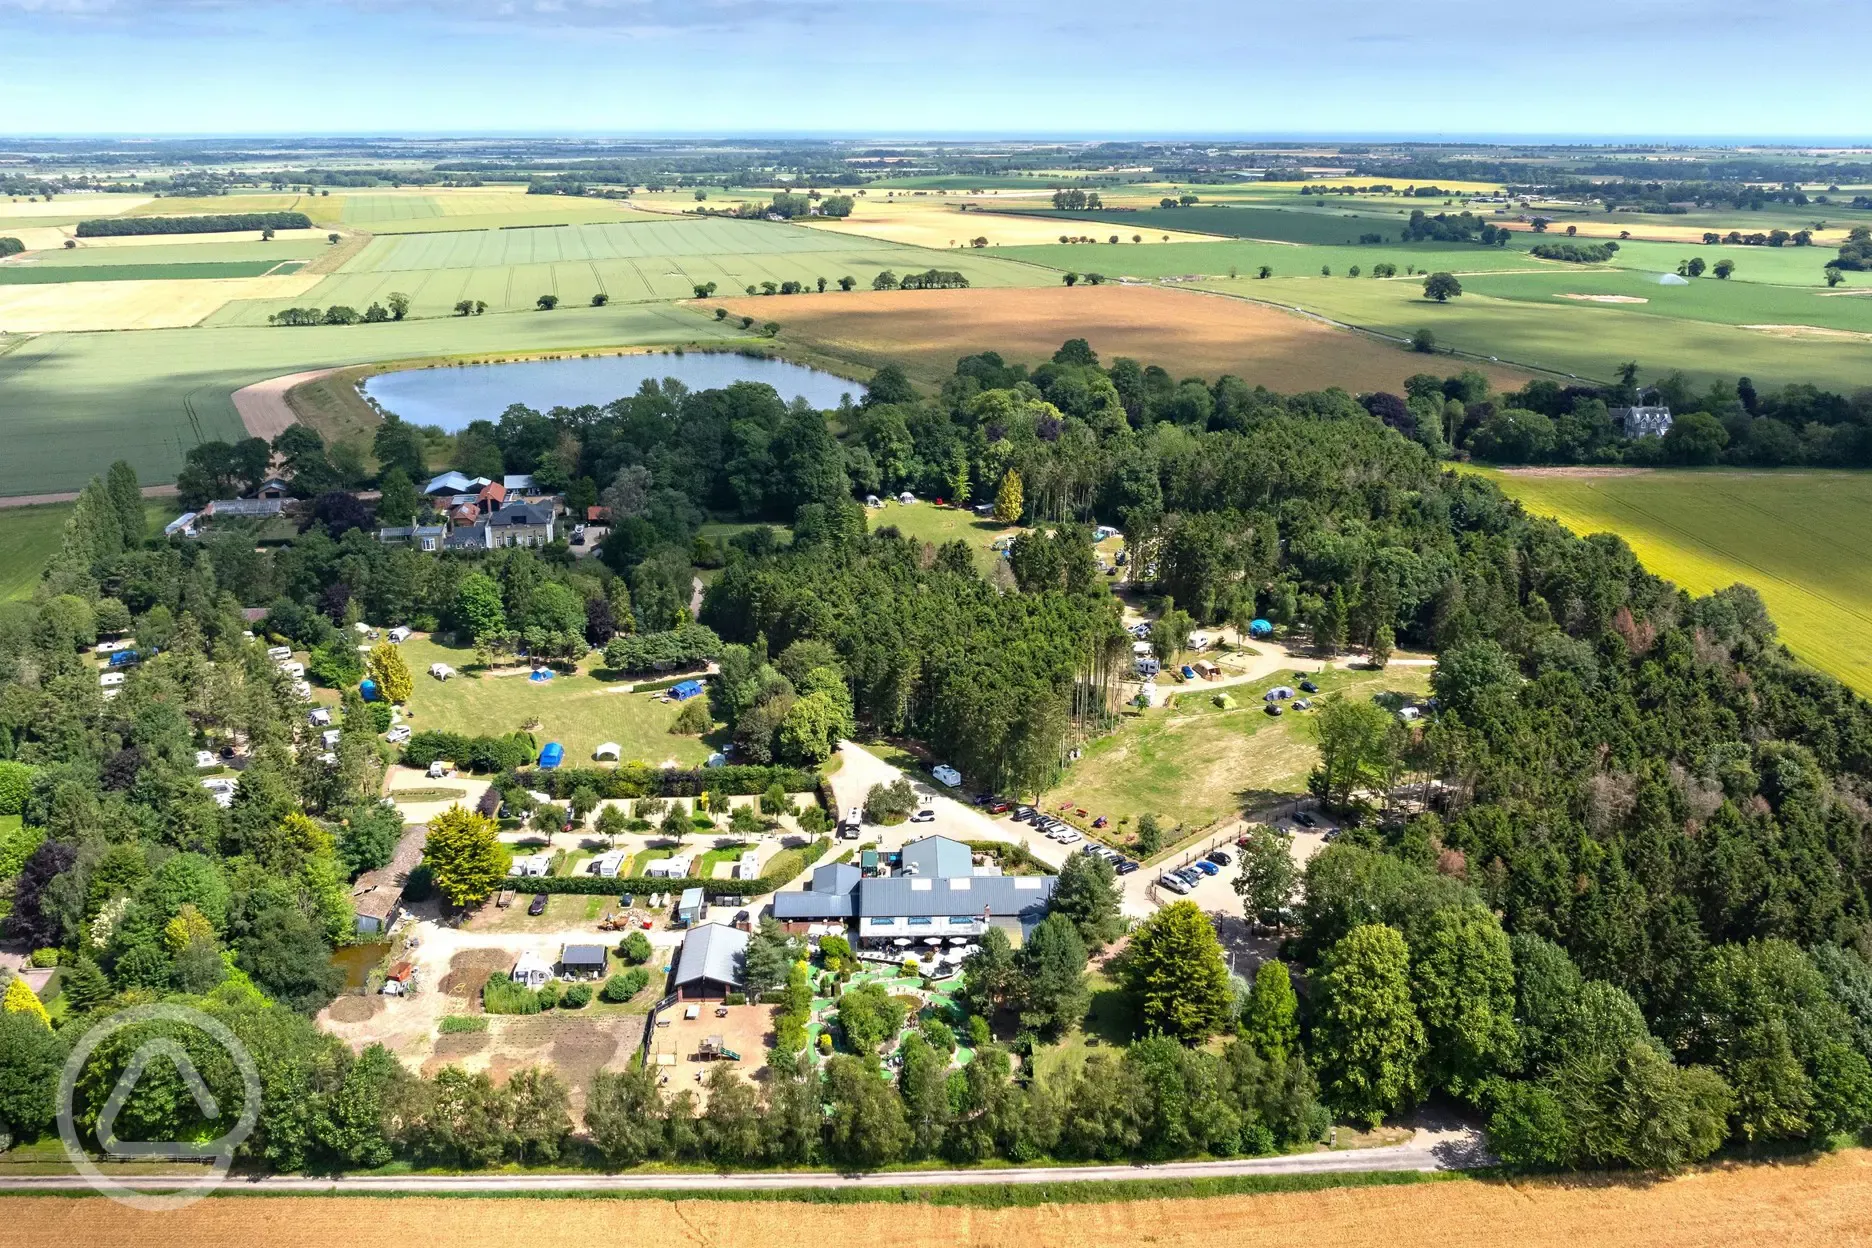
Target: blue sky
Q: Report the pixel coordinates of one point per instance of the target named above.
(1638, 68)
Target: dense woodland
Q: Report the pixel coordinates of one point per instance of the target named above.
(1622, 916)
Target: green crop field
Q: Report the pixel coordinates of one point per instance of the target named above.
(371, 209)
(1585, 339)
(30, 536)
(72, 403)
(34, 275)
(578, 711)
(659, 258)
(1796, 536)
(220, 252)
(1247, 256)
(1317, 226)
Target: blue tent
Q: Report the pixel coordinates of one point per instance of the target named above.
(369, 691)
(1260, 628)
(687, 689)
(552, 755)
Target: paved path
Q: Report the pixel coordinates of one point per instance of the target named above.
(263, 408)
(1427, 1150)
(71, 496)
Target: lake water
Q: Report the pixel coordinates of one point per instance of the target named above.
(452, 397)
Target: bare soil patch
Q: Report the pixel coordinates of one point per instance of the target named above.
(356, 1009)
(469, 970)
(1799, 332)
(455, 1046)
(1185, 332)
(1820, 1204)
(1605, 298)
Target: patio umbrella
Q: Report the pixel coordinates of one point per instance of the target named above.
(932, 940)
(958, 940)
(902, 942)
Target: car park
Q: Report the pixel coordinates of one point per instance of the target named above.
(539, 905)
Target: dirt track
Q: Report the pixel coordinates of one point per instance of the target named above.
(1823, 1204)
(263, 408)
(68, 496)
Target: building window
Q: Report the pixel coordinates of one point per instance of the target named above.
(428, 543)
(922, 921)
(883, 922)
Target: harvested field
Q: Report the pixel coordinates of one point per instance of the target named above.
(1182, 331)
(1822, 1204)
(940, 223)
(143, 304)
(1605, 298)
(74, 206)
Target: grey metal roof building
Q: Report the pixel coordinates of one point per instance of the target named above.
(713, 961)
(937, 897)
(937, 855)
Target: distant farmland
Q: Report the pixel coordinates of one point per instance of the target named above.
(1798, 537)
(1184, 332)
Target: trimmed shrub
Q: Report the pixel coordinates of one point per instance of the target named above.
(735, 998)
(635, 949)
(633, 780)
(577, 997)
(621, 988)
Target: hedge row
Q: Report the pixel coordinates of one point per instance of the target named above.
(643, 780)
(598, 885)
(11, 246)
(118, 227)
(480, 754)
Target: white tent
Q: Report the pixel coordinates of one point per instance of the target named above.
(531, 970)
(610, 749)
(441, 671)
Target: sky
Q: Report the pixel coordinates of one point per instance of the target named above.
(1643, 69)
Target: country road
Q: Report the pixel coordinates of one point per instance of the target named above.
(1429, 1150)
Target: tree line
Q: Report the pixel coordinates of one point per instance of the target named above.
(219, 223)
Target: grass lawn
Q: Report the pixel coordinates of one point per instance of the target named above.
(1110, 1022)
(1791, 533)
(1191, 762)
(927, 522)
(30, 536)
(578, 711)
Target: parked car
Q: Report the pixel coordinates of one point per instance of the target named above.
(1305, 819)
(1206, 867)
(1307, 686)
(539, 905)
(1303, 705)
(1024, 814)
(925, 815)
(398, 735)
(1068, 837)
(1126, 867)
(1220, 857)
(577, 539)
(1190, 876)
(1275, 708)
(1188, 672)
(997, 805)
(1174, 883)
